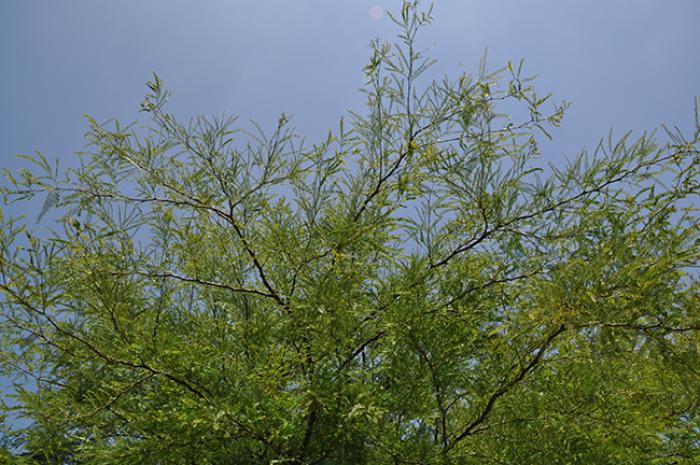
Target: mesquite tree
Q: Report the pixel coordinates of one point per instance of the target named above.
(417, 288)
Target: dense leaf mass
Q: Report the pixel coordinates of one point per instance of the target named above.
(415, 289)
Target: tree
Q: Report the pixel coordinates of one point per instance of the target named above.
(415, 289)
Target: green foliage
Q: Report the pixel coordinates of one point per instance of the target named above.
(415, 289)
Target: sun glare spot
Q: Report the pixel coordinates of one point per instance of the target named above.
(376, 12)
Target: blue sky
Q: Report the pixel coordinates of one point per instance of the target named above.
(622, 63)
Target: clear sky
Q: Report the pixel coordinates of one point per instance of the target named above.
(628, 64)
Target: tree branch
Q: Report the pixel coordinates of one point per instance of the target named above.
(506, 385)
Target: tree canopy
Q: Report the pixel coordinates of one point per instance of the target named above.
(416, 288)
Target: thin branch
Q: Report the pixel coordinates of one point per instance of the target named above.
(198, 281)
(506, 385)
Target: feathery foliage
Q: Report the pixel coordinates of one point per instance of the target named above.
(417, 288)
